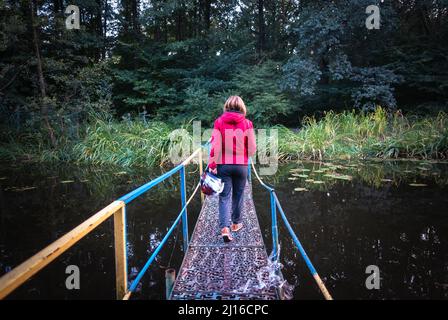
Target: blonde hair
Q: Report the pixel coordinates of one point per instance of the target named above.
(235, 103)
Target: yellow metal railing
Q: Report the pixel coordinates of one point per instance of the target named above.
(20, 274)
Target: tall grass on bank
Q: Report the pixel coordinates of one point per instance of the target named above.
(125, 143)
(363, 135)
(335, 136)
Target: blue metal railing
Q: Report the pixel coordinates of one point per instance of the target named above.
(182, 216)
(140, 190)
(183, 197)
(275, 204)
(30, 266)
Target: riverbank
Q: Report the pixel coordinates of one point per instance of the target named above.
(347, 135)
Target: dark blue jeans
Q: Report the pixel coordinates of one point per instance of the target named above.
(234, 177)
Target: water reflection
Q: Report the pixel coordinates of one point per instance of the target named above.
(61, 198)
(349, 215)
(373, 216)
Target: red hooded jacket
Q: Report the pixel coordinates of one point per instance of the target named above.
(233, 140)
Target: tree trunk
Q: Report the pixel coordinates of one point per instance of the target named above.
(261, 28)
(195, 12)
(40, 74)
(106, 12)
(179, 13)
(98, 27)
(165, 30)
(127, 15)
(207, 13)
(135, 15)
(423, 12)
(157, 23)
(57, 6)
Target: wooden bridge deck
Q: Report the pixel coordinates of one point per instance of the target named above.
(215, 270)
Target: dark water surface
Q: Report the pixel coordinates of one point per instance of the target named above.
(351, 215)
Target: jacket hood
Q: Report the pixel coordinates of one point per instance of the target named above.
(232, 117)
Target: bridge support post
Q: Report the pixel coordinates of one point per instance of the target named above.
(170, 277)
(274, 226)
(200, 172)
(183, 197)
(249, 169)
(121, 273)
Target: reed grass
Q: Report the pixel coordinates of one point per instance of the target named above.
(366, 135)
(347, 135)
(126, 143)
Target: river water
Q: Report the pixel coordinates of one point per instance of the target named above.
(348, 215)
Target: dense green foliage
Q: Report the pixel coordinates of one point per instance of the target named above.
(170, 61)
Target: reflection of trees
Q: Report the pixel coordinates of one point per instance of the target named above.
(373, 173)
(343, 225)
(352, 224)
(31, 220)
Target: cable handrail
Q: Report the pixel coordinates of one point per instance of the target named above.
(275, 204)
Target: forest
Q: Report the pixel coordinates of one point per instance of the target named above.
(113, 90)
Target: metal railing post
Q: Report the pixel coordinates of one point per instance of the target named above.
(121, 272)
(170, 277)
(183, 196)
(274, 226)
(200, 172)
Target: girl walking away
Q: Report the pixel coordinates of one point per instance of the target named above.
(232, 144)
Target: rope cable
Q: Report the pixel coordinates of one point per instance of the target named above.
(259, 179)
